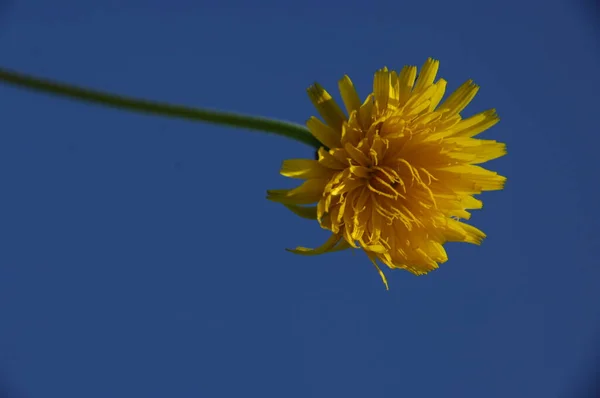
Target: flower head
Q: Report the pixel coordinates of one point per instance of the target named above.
(397, 173)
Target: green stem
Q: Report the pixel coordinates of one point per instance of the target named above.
(290, 130)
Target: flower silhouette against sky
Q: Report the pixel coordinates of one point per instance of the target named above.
(397, 173)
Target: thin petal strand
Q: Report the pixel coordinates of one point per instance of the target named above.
(324, 248)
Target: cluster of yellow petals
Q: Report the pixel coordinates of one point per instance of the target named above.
(397, 173)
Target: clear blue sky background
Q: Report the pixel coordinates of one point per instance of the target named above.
(139, 257)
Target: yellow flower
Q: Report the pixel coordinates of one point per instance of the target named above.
(395, 176)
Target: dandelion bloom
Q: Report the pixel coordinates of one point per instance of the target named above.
(396, 175)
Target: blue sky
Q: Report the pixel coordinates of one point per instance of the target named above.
(139, 257)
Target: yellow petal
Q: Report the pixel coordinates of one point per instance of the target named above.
(440, 89)
(348, 185)
(325, 104)
(357, 155)
(375, 248)
(381, 90)
(481, 150)
(310, 191)
(394, 90)
(331, 161)
(324, 248)
(351, 131)
(458, 100)
(360, 171)
(406, 80)
(324, 133)
(467, 233)
(436, 252)
(475, 124)
(469, 202)
(420, 101)
(349, 94)
(365, 113)
(381, 274)
(342, 245)
(485, 179)
(427, 74)
(304, 169)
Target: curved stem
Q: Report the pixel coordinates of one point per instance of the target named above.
(287, 129)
